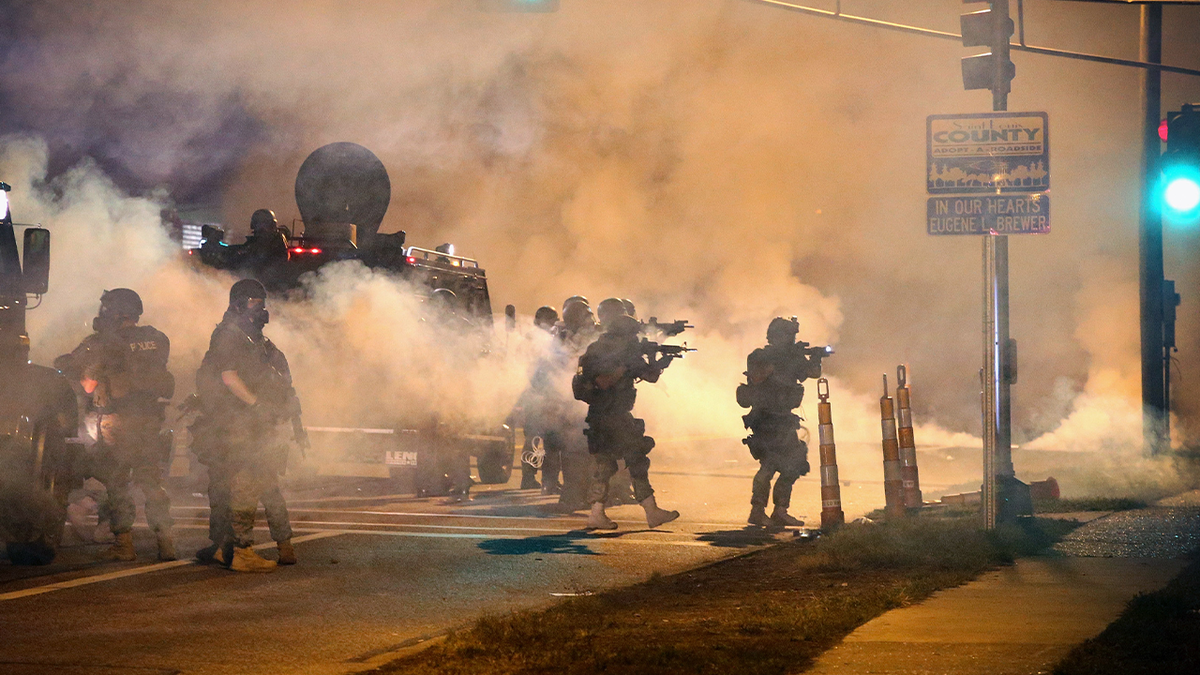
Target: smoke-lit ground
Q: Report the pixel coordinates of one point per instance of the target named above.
(717, 161)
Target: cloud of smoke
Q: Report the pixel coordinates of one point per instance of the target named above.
(363, 346)
(717, 161)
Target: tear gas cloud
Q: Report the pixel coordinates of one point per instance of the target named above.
(717, 161)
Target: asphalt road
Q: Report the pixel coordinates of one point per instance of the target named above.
(380, 572)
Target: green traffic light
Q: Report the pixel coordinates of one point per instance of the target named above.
(1182, 194)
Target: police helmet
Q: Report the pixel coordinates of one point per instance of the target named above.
(629, 308)
(782, 331)
(245, 290)
(545, 317)
(610, 309)
(121, 302)
(624, 325)
(577, 315)
(263, 219)
(573, 300)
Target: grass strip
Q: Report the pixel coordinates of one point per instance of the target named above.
(1087, 504)
(772, 611)
(1158, 633)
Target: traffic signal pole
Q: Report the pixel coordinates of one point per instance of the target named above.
(1155, 418)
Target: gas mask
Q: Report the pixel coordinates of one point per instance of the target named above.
(260, 317)
(106, 321)
(256, 315)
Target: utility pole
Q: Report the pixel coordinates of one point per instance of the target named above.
(1150, 242)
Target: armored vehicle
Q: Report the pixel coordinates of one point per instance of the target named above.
(343, 191)
(38, 466)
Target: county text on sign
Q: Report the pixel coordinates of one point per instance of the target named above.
(986, 152)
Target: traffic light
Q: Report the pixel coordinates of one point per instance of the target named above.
(990, 28)
(1180, 182)
(518, 5)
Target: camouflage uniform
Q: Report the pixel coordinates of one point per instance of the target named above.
(577, 463)
(129, 365)
(774, 389)
(245, 448)
(605, 381)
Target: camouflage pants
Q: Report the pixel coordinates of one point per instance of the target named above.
(257, 454)
(781, 452)
(220, 500)
(619, 437)
(131, 454)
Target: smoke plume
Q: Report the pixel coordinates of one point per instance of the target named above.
(720, 161)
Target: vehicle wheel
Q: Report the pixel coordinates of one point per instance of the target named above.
(31, 553)
(39, 528)
(495, 464)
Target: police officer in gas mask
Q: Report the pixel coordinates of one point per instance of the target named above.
(250, 410)
(122, 366)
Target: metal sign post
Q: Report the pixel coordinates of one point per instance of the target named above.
(989, 376)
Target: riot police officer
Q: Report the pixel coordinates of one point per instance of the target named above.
(541, 405)
(575, 332)
(250, 408)
(773, 389)
(605, 380)
(123, 367)
(266, 243)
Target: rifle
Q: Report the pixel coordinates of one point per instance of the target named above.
(814, 352)
(667, 329)
(651, 349)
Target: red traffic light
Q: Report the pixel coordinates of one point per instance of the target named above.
(1162, 130)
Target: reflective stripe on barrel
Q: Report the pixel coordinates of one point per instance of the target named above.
(909, 476)
(893, 488)
(831, 490)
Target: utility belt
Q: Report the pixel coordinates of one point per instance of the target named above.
(768, 431)
(617, 434)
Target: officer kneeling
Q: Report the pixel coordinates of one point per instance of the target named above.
(607, 373)
(773, 389)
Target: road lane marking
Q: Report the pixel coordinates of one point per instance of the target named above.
(564, 535)
(634, 525)
(576, 519)
(145, 569)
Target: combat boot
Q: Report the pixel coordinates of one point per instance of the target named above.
(656, 516)
(598, 520)
(287, 554)
(758, 516)
(166, 547)
(122, 548)
(246, 560)
(780, 516)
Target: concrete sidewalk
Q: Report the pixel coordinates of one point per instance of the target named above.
(1022, 619)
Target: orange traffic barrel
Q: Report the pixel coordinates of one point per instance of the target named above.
(893, 486)
(832, 515)
(908, 445)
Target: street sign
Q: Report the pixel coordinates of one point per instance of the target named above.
(989, 214)
(987, 152)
